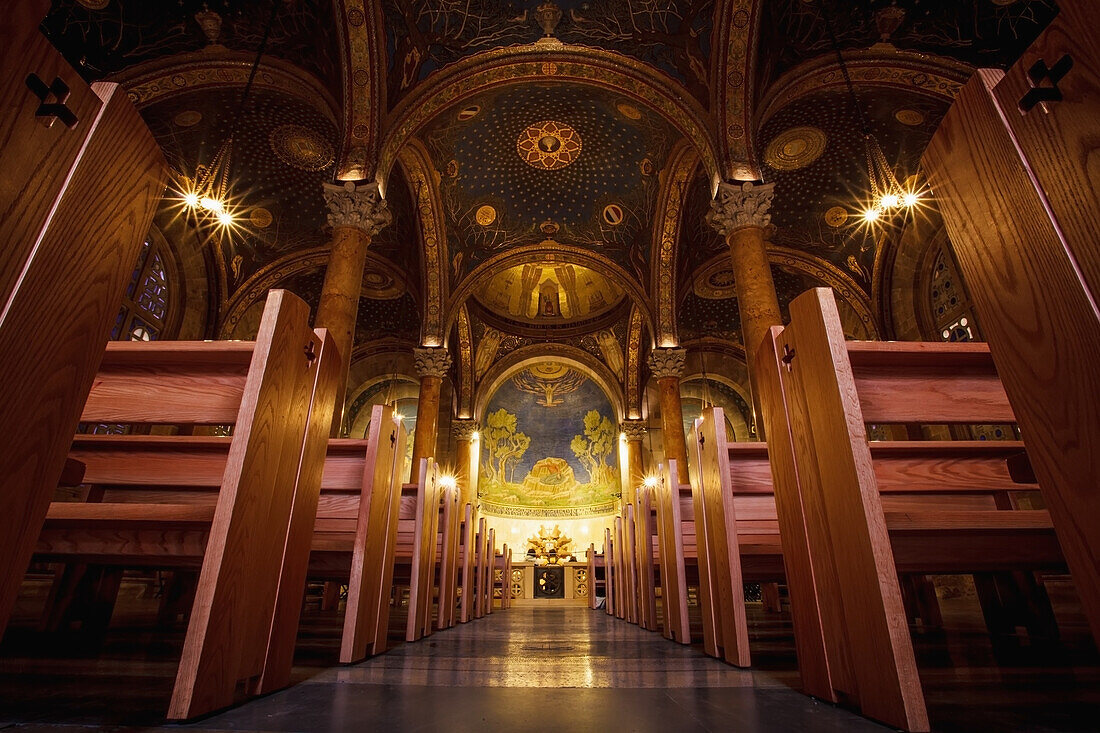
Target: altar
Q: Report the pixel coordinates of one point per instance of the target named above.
(565, 583)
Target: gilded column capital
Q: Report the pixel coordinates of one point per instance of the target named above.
(464, 429)
(358, 207)
(432, 361)
(634, 430)
(666, 363)
(738, 206)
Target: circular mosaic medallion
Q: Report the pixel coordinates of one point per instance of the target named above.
(836, 216)
(301, 147)
(260, 217)
(613, 214)
(549, 145)
(485, 215)
(909, 117)
(468, 113)
(629, 111)
(795, 148)
(187, 118)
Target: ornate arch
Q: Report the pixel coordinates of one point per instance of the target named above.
(836, 278)
(554, 250)
(363, 48)
(633, 370)
(422, 178)
(267, 277)
(735, 23)
(932, 76)
(535, 63)
(666, 241)
(172, 76)
(465, 364)
(535, 353)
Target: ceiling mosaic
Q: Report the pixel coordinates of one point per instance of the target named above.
(557, 161)
(426, 35)
(492, 341)
(818, 198)
(549, 293)
(382, 314)
(979, 32)
(282, 151)
(101, 37)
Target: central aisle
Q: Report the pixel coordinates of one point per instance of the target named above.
(532, 668)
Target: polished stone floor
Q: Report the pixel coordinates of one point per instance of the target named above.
(559, 669)
(556, 669)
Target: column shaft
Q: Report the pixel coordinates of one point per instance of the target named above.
(672, 425)
(757, 301)
(339, 304)
(427, 421)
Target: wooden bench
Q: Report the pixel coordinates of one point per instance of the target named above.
(853, 513)
(355, 537)
(241, 508)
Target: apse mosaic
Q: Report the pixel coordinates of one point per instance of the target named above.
(549, 446)
(555, 161)
(426, 35)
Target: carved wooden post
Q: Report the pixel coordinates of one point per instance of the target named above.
(432, 364)
(356, 214)
(667, 366)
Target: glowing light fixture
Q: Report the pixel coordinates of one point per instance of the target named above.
(650, 481)
(887, 194)
(448, 481)
(208, 192)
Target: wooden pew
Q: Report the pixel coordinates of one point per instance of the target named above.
(450, 522)
(593, 581)
(241, 508)
(645, 541)
(609, 580)
(355, 537)
(425, 519)
(506, 578)
(670, 542)
(844, 542)
(468, 602)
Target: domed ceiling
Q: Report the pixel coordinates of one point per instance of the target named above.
(425, 35)
(101, 37)
(524, 164)
(549, 293)
(983, 33)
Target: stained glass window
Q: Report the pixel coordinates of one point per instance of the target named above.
(146, 301)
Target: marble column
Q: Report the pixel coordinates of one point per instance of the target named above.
(667, 366)
(464, 432)
(635, 431)
(432, 364)
(740, 214)
(356, 214)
